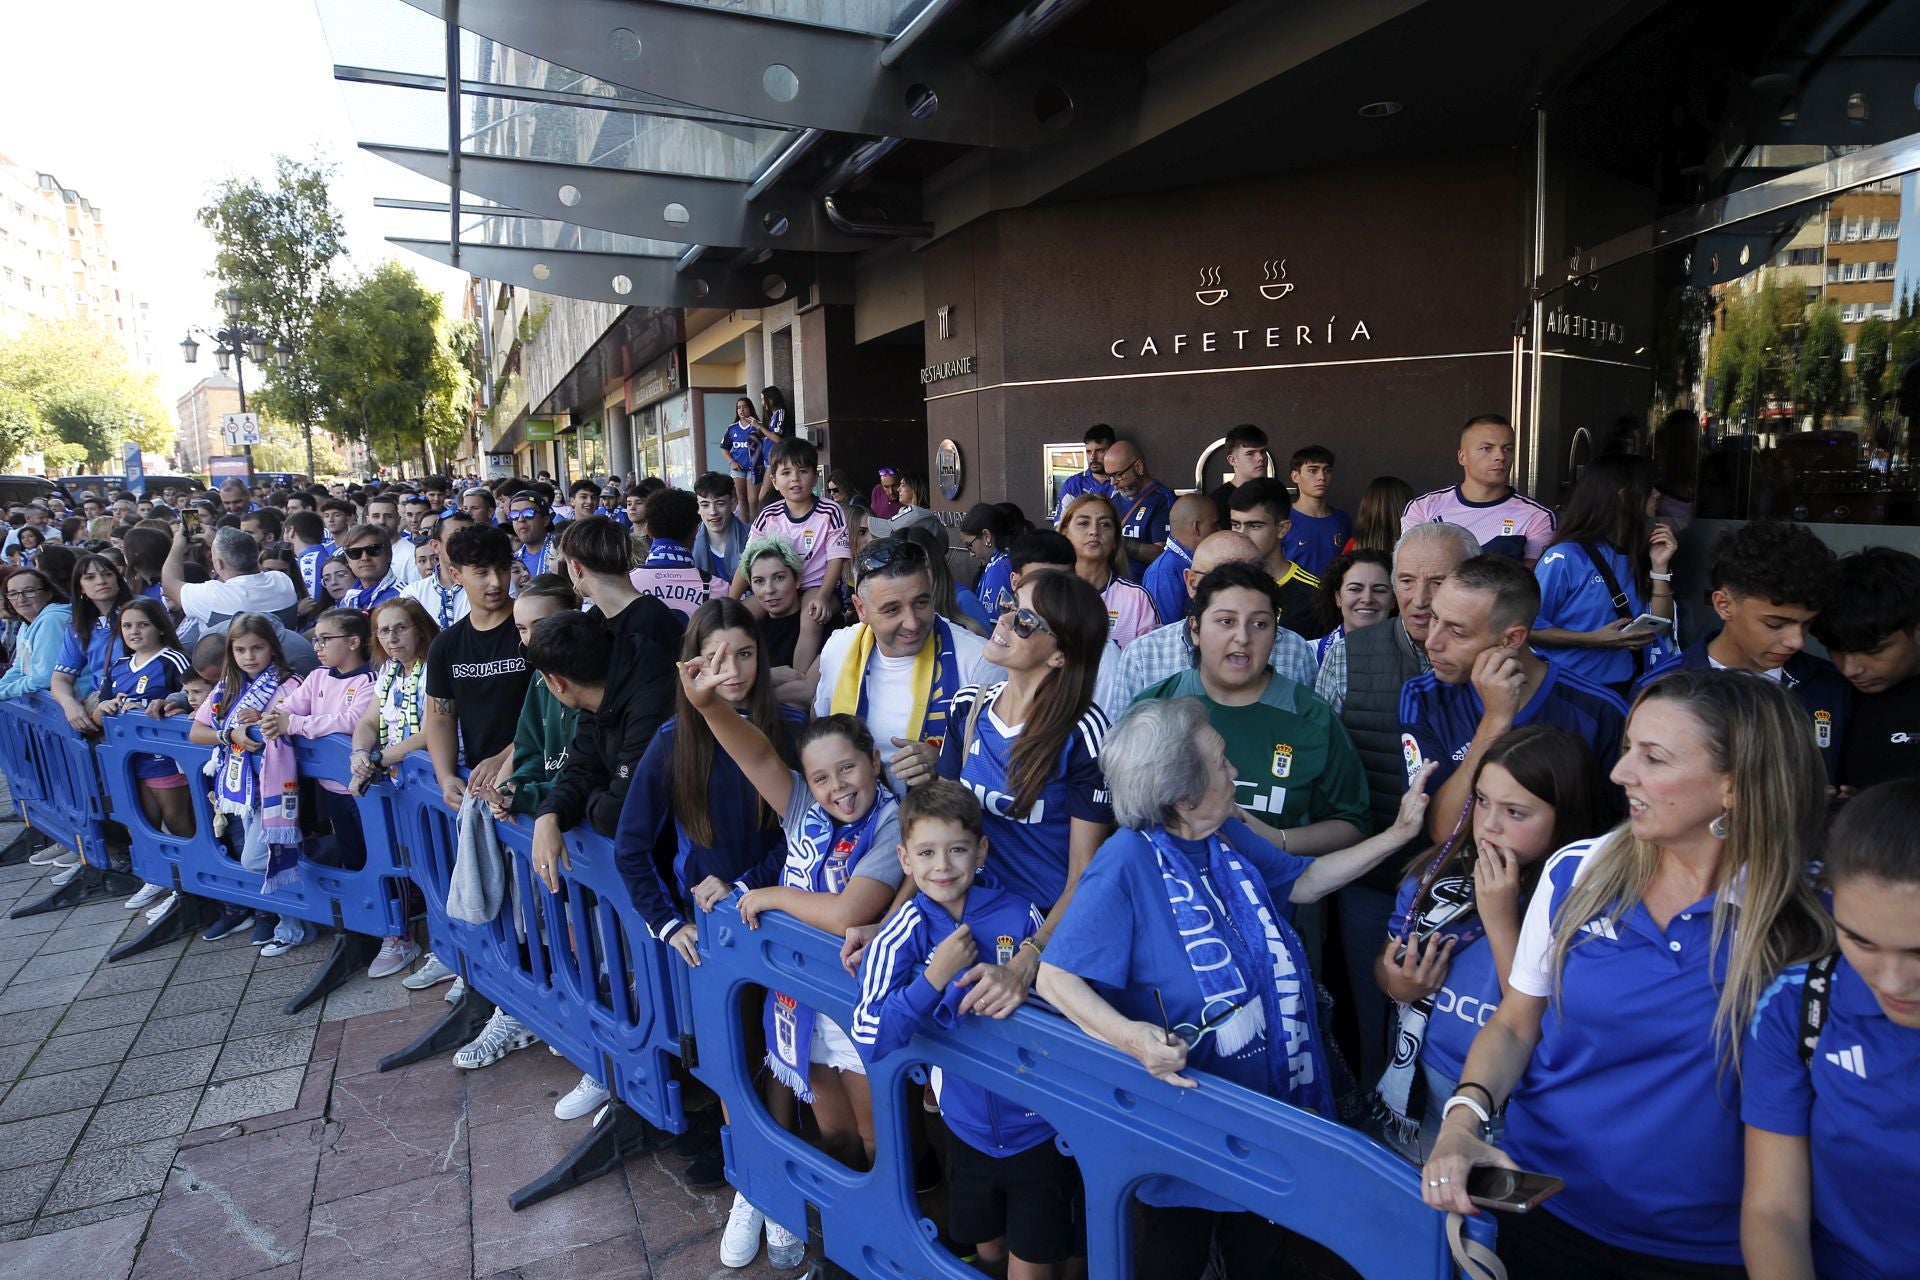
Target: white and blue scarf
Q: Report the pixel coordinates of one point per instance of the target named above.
(665, 553)
(1254, 983)
(820, 859)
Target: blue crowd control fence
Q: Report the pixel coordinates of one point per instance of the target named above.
(578, 967)
(51, 774)
(369, 901)
(1311, 1175)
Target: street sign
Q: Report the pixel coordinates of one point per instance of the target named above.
(541, 430)
(240, 428)
(135, 467)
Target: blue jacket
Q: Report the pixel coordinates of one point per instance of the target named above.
(1821, 689)
(895, 1003)
(36, 649)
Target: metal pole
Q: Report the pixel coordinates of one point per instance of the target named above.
(240, 377)
(1538, 320)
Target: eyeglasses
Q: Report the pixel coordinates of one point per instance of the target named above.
(361, 553)
(397, 629)
(319, 639)
(888, 552)
(28, 594)
(524, 513)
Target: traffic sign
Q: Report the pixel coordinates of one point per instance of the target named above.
(240, 428)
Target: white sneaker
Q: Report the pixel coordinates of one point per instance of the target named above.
(66, 858)
(500, 1037)
(741, 1240)
(785, 1250)
(66, 875)
(47, 856)
(148, 895)
(165, 905)
(430, 974)
(395, 954)
(586, 1098)
(456, 991)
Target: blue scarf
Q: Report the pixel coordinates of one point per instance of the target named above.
(927, 719)
(1256, 986)
(820, 859)
(236, 773)
(665, 553)
(535, 561)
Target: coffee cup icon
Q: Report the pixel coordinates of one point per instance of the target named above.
(1277, 285)
(1210, 294)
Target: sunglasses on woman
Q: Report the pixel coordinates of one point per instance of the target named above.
(1023, 621)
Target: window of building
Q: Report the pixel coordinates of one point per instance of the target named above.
(1846, 357)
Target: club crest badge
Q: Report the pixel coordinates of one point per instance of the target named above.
(1282, 760)
(1823, 728)
(1003, 949)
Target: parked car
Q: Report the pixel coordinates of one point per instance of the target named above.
(24, 489)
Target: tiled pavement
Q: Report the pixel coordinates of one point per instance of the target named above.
(162, 1118)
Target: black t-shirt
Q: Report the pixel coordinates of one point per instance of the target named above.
(1883, 740)
(486, 675)
(779, 637)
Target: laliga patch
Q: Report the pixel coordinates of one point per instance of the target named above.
(140, 685)
(1823, 728)
(1003, 949)
(1506, 528)
(1410, 753)
(1282, 760)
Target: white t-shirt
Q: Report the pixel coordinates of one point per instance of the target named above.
(890, 685)
(436, 600)
(208, 604)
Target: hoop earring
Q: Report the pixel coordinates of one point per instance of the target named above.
(1718, 828)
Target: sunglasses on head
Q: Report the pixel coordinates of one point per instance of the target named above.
(361, 553)
(890, 551)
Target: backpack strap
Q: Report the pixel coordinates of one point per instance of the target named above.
(1622, 606)
(1814, 999)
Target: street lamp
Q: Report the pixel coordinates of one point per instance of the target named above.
(238, 343)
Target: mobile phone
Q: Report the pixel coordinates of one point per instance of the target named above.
(1510, 1190)
(190, 520)
(1648, 622)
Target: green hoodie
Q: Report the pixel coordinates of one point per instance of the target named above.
(540, 744)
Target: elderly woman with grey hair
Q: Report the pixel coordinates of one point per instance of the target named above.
(1177, 949)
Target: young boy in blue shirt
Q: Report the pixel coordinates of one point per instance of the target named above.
(1010, 1191)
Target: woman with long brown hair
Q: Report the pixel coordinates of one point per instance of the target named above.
(1029, 747)
(1091, 523)
(1377, 526)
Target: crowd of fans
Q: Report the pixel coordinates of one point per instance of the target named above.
(1448, 821)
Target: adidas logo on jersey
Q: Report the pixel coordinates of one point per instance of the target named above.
(1852, 1059)
(1600, 928)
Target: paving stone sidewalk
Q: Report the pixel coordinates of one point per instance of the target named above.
(161, 1118)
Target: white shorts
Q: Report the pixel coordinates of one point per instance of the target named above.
(832, 1048)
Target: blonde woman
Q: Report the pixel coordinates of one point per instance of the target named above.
(1640, 962)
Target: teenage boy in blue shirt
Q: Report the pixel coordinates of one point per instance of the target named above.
(1097, 441)
(1486, 680)
(1010, 1191)
(1770, 580)
(1320, 530)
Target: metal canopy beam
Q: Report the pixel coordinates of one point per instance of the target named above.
(624, 280)
(545, 97)
(807, 76)
(711, 211)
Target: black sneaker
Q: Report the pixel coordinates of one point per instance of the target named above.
(707, 1170)
(231, 918)
(703, 1131)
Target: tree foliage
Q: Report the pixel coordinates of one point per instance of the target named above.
(68, 383)
(386, 367)
(278, 246)
(283, 447)
(1819, 375)
(1871, 349)
(1752, 357)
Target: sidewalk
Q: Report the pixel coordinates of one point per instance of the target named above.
(162, 1119)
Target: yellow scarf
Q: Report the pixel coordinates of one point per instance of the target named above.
(849, 688)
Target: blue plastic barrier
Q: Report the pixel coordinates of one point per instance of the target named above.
(369, 902)
(1311, 1175)
(51, 773)
(579, 968)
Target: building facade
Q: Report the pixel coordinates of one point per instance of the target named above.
(199, 413)
(57, 262)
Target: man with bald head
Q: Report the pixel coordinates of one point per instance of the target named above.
(1193, 519)
(1145, 505)
(1166, 651)
(1361, 677)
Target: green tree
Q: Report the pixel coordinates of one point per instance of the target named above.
(80, 390)
(1870, 353)
(1819, 376)
(1753, 351)
(283, 447)
(386, 370)
(277, 247)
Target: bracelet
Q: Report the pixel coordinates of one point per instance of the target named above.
(1461, 1100)
(1029, 942)
(1475, 1084)
(1661, 577)
(1283, 839)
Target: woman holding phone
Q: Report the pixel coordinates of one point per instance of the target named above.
(1616, 1050)
(1608, 564)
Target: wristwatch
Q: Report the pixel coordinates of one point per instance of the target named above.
(376, 757)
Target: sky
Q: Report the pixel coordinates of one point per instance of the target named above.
(145, 108)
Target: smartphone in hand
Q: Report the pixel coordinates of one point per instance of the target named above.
(1510, 1190)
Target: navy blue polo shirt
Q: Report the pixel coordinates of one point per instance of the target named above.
(1626, 1096)
(1822, 690)
(1857, 1102)
(1145, 516)
(1438, 720)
